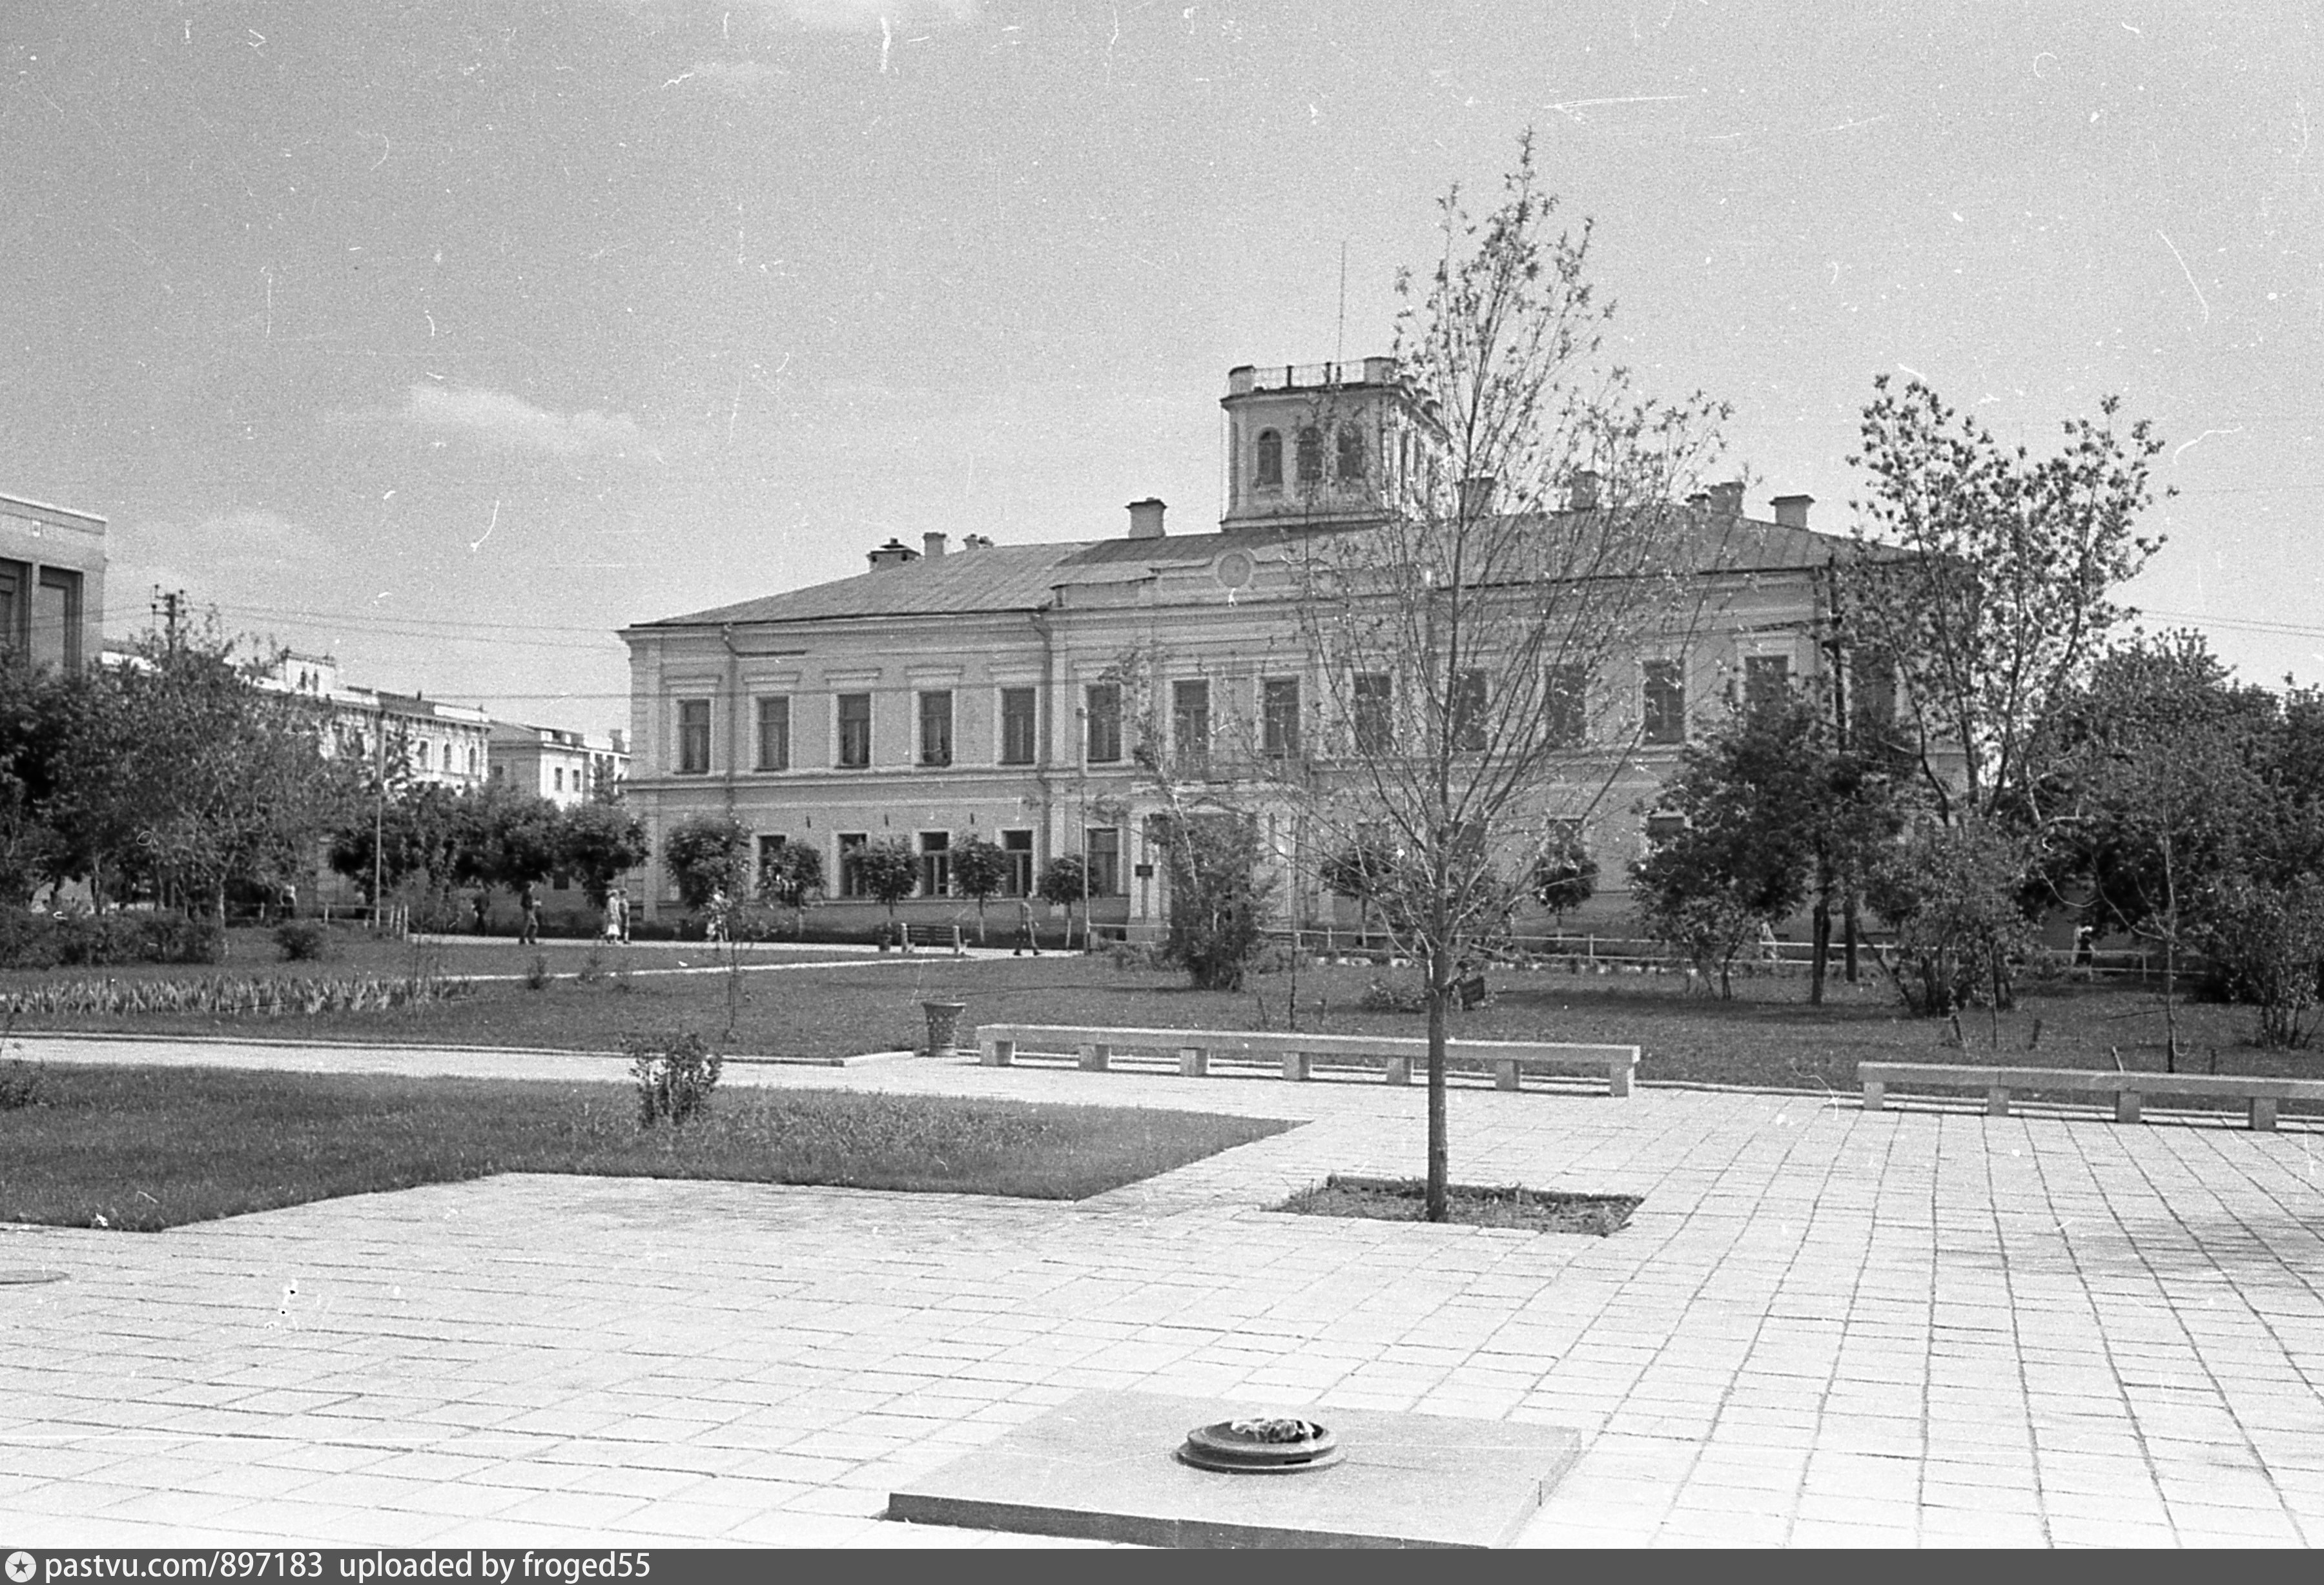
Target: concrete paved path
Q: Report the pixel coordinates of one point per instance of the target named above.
(1920, 1326)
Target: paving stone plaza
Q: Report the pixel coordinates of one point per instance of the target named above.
(1924, 1326)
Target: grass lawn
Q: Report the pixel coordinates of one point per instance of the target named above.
(143, 1149)
(1766, 1037)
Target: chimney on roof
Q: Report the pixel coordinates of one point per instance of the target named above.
(1582, 494)
(1146, 519)
(1727, 499)
(976, 541)
(932, 545)
(894, 553)
(1791, 510)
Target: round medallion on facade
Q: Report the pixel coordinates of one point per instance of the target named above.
(1233, 570)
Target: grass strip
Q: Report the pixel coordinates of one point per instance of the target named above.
(144, 1148)
(1540, 1211)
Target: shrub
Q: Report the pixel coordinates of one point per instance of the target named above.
(1385, 995)
(28, 940)
(305, 940)
(593, 967)
(536, 973)
(20, 1084)
(2266, 943)
(674, 1076)
(1219, 894)
(1137, 955)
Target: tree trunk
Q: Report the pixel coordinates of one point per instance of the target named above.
(1440, 997)
(1848, 924)
(1820, 933)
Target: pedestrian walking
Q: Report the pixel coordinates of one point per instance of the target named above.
(529, 929)
(1026, 940)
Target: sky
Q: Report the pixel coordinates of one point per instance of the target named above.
(448, 337)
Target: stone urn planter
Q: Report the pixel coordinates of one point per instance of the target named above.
(943, 1028)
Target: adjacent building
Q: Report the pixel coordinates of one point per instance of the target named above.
(429, 741)
(976, 689)
(566, 768)
(51, 583)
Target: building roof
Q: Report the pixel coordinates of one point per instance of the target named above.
(1020, 577)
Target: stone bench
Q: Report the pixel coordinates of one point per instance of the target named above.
(2261, 1096)
(1000, 1046)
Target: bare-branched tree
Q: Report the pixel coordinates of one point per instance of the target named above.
(1475, 650)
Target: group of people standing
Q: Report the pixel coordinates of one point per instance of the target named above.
(528, 904)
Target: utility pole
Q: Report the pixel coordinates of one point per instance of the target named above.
(169, 604)
(378, 815)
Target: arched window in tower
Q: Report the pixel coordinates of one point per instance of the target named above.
(1270, 460)
(1351, 455)
(1311, 456)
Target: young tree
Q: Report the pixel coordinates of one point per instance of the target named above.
(706, 855)
(1064, 882)
(599, 842)
(1222, 879)
(1953, 895)
(221, 781)
(1457, 644)
(790, 879)
(1986, 580)
(979, 869)
(888, 871)
(1742, 859)
(1565, 877)
(2163, 778)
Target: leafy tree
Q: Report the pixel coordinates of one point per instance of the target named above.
(1565, 876)
(1221, 883)
(979, 869)
(599, 842)
(706, 855)
(2165, 777)
(221, 781)
(410, 837)
(38, 707)
(1064, 882)
(524, 838)
(1952, 893)
(2269, 937)
(888, 871)
(1986, 580)
(1741, 860)
(790, 878)
(1537, 538)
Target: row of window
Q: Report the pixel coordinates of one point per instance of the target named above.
(1565, 701)
(1308, 457)
(1102, 848)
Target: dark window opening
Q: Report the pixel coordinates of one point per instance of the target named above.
(1104, 723)
(1566, 700)
(1466, 724)
(935, 863)
(854, 731)
(1190, 725)
(1020, 726)
(775, 734)
(1279, 717)
(936, 728)
(1351, 455)
(1270, 460)
(1311, 456)
(1018, 846)
(1666, 702)
(693, 737)
(1375, 714)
